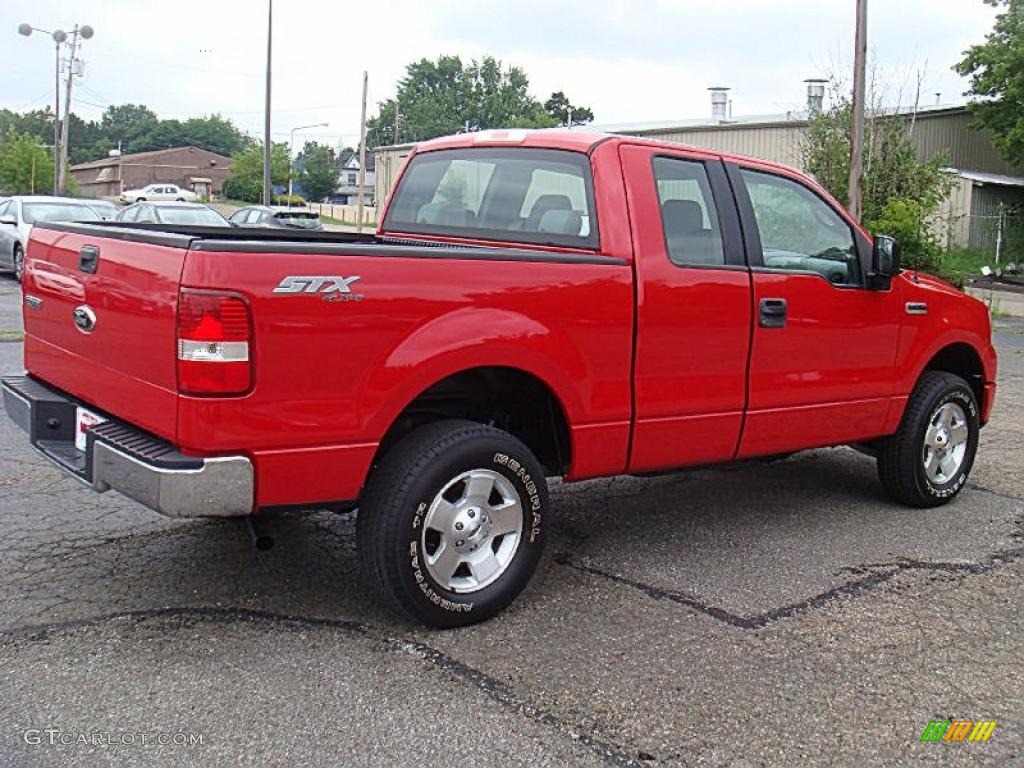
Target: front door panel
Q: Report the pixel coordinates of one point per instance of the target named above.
(693, 310)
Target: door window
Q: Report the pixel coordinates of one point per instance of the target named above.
(800, 231)
(688, 216)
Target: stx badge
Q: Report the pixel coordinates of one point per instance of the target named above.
(315, 284)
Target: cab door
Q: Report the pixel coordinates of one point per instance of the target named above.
(693, 309)
(822, 362)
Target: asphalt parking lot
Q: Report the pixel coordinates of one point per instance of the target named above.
(778, 614)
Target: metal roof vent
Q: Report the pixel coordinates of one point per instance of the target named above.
(815, 94)
(719, 103)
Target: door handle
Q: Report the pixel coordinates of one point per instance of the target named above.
(772, 313)
(89, 258)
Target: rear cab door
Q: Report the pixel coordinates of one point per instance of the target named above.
(822, 361)
(693, 308)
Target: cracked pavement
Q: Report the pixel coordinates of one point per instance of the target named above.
(769, 614)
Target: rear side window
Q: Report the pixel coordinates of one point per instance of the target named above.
(688, 215)
(542, 196)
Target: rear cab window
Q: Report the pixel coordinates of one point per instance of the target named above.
(535, 196)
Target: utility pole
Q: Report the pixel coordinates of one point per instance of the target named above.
(362, 155)
(56, 116)
(857, 128)
(266, 110)
(397, 117)
(84, 32)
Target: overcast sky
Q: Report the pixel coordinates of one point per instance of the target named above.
(633, 61)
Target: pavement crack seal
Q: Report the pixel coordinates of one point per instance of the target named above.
(886, 572)
(495, 689)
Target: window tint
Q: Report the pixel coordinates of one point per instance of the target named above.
(517, 195)
(254, 216)
(800, 231)
(5, 208)
(58, 211)
(238, 216)
(688, 215)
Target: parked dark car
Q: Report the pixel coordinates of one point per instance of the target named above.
(187, 214)
(279, 218)
(106, 209)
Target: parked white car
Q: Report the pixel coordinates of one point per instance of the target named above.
(159, 192)
(19, 213)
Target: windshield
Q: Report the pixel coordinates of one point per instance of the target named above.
(542, 196)
(201, 216)
(298, 219)
(33, 212)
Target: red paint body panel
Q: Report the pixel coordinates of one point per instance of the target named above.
(126, 365)
(655, 366)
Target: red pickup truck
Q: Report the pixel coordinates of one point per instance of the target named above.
(534, 304)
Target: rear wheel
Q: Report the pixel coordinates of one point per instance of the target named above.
(140, 200)
(927, 462)
(19, 262)
(452, 523)
(181, 199)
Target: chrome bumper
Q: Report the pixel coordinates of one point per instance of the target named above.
(125, 459)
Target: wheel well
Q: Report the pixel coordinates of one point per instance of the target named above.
(962, 360)
(506, 398)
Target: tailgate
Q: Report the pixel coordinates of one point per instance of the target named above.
(100, 315)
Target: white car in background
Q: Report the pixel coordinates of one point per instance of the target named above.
(159, 192)
(19, 213)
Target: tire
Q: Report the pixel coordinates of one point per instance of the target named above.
(417, 496)
(139, 200)
(18, 260)
(181, 199)
(921, 465)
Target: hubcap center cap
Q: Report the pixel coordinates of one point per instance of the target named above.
(471, 529)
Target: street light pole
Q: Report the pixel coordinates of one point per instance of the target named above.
(59, 37)
(84, 32)
(860, 54)
(266, 109)
(291, 154)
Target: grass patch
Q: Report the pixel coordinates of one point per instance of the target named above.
(340, 223)
(965, 261)
(8, 335)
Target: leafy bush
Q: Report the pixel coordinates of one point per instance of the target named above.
(242, 188)
(289, 200)
(906, 220)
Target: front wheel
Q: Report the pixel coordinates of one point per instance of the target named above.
(452, 523)
(927, 462)
(19, 262)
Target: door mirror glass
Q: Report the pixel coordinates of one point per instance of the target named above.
(885, 259)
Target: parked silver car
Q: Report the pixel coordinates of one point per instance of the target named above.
(182, 214)
(19, 213)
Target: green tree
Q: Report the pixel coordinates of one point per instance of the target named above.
(25, 165)
(996, 69)
(562, 112)
(900, 193)
(436, 98)
(320, 171)
(246, 179)
(127, 123)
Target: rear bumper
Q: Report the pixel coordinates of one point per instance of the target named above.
(119, 456)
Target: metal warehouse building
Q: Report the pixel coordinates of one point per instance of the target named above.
(969, 217)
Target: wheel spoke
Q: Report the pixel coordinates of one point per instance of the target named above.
(508, 518)
(444, 562)
(958, 434)
(931, 465)
(930, 435)
(484, 566)
(479, 487)
(441, 515)
(948, 414)
(948, 464)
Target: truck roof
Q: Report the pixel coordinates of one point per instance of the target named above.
(574, 140)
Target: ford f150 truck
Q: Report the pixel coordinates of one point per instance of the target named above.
(533, 304)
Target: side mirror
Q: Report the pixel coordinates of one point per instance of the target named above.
(9, 220)
(885, 261)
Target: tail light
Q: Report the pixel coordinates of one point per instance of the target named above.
(214, 335)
